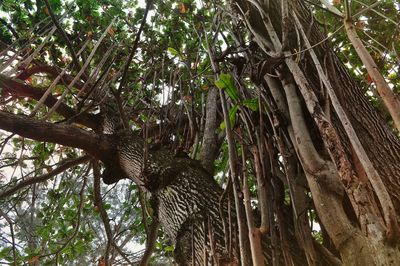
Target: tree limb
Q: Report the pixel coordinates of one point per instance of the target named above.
(100, 146)
(104, 216)
(50, 70)
(65, 37)
(150, 242)
(135, 45)
(19, 89)
(67, 164)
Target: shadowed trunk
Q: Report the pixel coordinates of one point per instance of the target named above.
(325, 148)
(342, 175)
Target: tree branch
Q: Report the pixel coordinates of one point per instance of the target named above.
(19, 89)
(67, 164)
(98, 202)
(65, 37)
(104, 216)
(50, 70)
(150, 242)
(100, 146)
(135, 45)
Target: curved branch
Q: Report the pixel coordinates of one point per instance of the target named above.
(98, 202)
(19, 89)
(104, 216)
(100, 146)
(50, 70)
(27, 182)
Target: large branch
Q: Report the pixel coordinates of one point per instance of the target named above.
(19, 89)
(100, 146)
(52, 71)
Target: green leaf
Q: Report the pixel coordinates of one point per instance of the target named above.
(252, 104)
(226, 82)
(232, 118)
(169, 248)
(5, 252)
(173, 51)
(80, 247)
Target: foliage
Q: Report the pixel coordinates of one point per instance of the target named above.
(57, 221)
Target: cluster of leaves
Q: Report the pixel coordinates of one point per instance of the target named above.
(171, 62)
(172, 45)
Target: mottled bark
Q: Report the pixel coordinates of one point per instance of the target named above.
(187, 198)
(344, 171)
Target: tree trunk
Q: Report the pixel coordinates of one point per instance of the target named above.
(367, 240)
(191, 206)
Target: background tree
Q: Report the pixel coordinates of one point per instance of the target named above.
(230, 133)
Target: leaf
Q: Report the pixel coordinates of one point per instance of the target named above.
(227, 83)
(369, 79)
(232, 118)
(111, 31)
(34, 260)
(182, 8)
(252, 104)
(5, 251)
(80, 247)
(360, 25)
(188, 98)
(169, 248)
(101, 262)
(205, 88)
(173, 51)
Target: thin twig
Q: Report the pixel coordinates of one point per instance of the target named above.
(30, 181)
(135, 45)
(65, 37)
(104, 216)
(59, 101)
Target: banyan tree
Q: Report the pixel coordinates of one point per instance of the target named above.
(250, 132)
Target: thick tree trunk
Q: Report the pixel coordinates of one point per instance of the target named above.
(368, 244)
(187, 198)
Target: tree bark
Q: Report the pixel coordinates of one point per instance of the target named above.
(265, 22)
(186, 196)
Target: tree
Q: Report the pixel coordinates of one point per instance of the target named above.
(232, 131)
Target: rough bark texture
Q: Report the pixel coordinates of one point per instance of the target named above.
(193, 209)
(265, 22)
